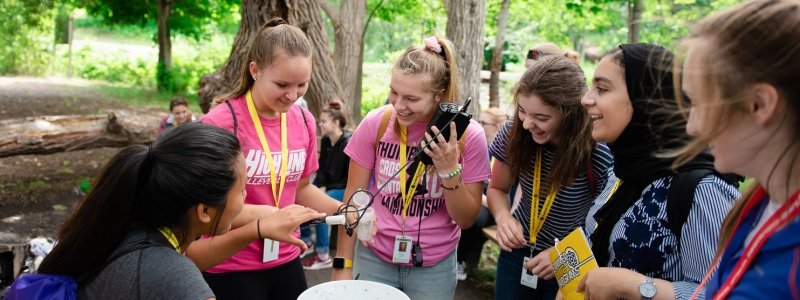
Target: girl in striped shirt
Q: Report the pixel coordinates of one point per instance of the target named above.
(547, 148)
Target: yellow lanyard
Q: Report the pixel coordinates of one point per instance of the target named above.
(613, 190)
(538, 217)
(277, 192)
(408, 195)
(170, 238)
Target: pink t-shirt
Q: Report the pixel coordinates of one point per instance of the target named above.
(438, 232)
(302, 163)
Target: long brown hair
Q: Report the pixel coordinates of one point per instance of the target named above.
(753, 42)
(273, 36)
(442, 68)
(560, 83)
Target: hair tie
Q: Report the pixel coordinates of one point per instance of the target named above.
(432, 44)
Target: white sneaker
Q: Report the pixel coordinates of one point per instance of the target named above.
(317, 263)
(461, 274)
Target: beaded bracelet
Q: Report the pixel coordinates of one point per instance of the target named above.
(451, 174)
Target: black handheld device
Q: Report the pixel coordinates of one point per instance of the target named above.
(446, 113)
(416, 255)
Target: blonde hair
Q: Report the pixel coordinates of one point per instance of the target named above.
(548, 48)
(753, 42)
(273, 36)
(441, 67)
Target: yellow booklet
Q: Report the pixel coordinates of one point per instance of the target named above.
(572, 258)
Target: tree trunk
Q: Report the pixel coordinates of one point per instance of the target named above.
(465, 21)
(349, 25)
(304, 14)
(50, 134)
(164, 42)
(635, 8)
(497, 55)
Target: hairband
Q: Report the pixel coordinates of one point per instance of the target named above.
(432, 44)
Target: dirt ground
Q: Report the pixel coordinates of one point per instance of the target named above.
(37, 192)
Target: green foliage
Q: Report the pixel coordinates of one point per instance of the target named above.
(398, 24)
(27, 36)
(375, 87)
(192, 18)
(191, 61)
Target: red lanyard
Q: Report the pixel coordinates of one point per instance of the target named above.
(789, 211)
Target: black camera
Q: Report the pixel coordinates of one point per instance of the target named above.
(446, 113)
(416, 255)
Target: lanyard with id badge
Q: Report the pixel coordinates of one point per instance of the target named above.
(271, 248)
(402, 252)
(538, 216)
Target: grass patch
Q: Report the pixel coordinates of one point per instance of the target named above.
(31, 189)
(486, 272)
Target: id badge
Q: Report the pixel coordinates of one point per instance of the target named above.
(402, 249)
(528, 278)
(271, 249)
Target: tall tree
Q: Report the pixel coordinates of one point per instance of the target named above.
(497, 55)
(635, 8)
(187, 17)
(348, 27)
(465, 21)
(303, 13)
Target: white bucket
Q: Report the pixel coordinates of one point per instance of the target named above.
(352, 290)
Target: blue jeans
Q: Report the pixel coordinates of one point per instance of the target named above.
(323, 237)
(509, 274)
(434, 282)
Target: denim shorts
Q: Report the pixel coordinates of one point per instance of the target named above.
(434, 282)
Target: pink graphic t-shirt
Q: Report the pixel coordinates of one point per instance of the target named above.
(438, 233)
(302, 163)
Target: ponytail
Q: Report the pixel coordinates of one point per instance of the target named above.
(100, 221)
(153, 186)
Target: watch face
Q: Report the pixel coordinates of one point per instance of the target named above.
(338, 263)
(647, 289)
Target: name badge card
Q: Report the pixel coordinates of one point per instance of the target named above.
(271, 249)
(402, 249)
(528, 278)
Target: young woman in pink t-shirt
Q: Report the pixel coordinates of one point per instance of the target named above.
(262, 113)
(448, 197)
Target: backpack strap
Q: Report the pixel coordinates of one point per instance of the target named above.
(387, 115)
(680, 197)
(236, 123)
(591, 178)
(233, 114)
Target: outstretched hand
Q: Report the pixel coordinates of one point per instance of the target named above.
(280, 225)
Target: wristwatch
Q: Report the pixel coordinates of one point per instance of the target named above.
(647, 288)
(341, 263)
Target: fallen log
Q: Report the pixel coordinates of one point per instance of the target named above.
(51, 134)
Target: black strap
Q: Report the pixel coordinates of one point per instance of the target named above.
(233, 114)
(236, 123)
(680, 197)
